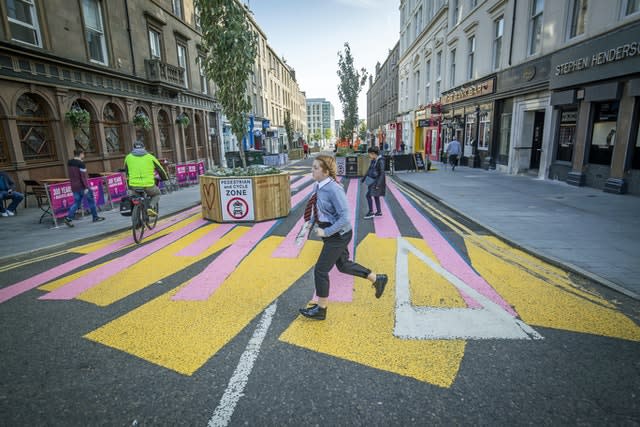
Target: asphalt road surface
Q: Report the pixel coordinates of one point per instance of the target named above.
(199, 326)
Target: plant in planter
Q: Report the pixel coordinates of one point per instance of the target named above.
(78, 116)
(142, 121)
(183, 120)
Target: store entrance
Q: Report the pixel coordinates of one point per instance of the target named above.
(536, 143)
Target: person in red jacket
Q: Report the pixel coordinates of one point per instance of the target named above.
(305, 149)
(80, 187)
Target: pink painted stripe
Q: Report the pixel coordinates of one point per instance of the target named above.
(385, 225)
(81, 284)
(203, 243)
(205, 284)
(447, 256)
(40, 279)
(299, 182)
(300, 196)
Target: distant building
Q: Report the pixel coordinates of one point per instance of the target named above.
(320, 117)
(382, 102)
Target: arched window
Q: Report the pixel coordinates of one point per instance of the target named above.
(4, 148)
(141, 132)
(189, 140)
(36, 138)
(85, 137)
(112, 119)
(201, 140)
(164, 128)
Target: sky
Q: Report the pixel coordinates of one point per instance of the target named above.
(309, 34)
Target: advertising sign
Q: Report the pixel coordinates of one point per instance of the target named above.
(116, 187)
(200, 168)
(181, 174)
(192, 171)
(61, 198)
(419, 161)
(236, 199)
(97, 187)
(341, 165)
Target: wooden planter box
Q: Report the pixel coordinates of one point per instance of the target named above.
(245, 198)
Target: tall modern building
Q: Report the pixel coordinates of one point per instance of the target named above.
(320, 117)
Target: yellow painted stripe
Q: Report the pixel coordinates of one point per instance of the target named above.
(183, 335)
(540, 303)
(362, 331)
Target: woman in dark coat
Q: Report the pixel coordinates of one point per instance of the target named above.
(375, 181)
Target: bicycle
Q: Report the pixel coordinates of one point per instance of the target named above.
(139, 216)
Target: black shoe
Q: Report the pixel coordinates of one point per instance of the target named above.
(98, 219)
(369, 215)
(380, 283)
(378, 214)
(68, 222)
(314, 312)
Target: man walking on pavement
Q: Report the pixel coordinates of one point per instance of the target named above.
(453, 151)
(80, 187)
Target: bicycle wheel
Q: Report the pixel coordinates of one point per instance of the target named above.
(137, 223)
(151, 221)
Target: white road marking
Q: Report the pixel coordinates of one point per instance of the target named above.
(491, 321)
(224, 411)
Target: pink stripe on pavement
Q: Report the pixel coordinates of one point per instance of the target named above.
(81, 284)
(203, 243)
(300, 196)
(298, 183)
(40, 279)
(447, 256)
(385, 225)
(205, 284)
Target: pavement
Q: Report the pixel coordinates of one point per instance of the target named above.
(580, 229)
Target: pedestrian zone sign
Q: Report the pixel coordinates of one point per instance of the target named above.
(236, 199)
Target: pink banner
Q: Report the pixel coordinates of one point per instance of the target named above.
(116, 186)
(200, 168)
(181, 174)
(192, 170)
(97, 187)
(61, 198)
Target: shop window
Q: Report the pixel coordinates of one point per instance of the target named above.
(635, 163)
(36, 138)
(566, 135)
(483, 134)
(469, 134)
(603, 136)
(85, 137)
(505, 139)
(4, 148)
(112, 122)
(164, 129)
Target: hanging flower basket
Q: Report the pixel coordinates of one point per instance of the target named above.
(142, 121)
(183, 120)
(77, 117)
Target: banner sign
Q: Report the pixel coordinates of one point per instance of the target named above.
(116, 187)
(192, 171)
(236, 199)
(181, 174)
(200, 168)
(97, 187)
(419, 161)
(61, 198)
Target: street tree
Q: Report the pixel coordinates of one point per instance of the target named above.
(288, 128)
(328, 134)
(351, 83)
(231, 46)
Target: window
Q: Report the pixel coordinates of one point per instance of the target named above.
(438, 73)
(578, 15)
(23, 22)
(5, 158)
(176, 6)
(154, 43)
(85, 137)
(204, 83)
(417, 79)
(535, 28)
(453, 68)
(635, 161)
(498, 31)
(427, 83)
(603, 136)
(472, 53)
(566, 134)
(165, 131)
(36, 138)
(112, 129)
(474, 3)
(631, 7)
(505, 138)
(94, 30)
(456, 12)
(182, 62)
(483, 132)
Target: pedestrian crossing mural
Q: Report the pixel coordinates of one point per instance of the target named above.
(437, 299)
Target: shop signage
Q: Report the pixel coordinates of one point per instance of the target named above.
(423, 123)
(236, 199)
(479, 89)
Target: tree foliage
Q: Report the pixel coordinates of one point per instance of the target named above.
(288, 128)
(351, 83)
(231, 46)
(328, 134)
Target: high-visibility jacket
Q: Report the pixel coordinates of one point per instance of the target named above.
(140, 170)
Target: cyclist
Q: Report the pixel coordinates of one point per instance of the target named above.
(140, 166)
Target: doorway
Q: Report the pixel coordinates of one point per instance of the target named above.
(536, 143)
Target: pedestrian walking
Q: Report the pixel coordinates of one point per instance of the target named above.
(80, 187)
(305, 149)
(453, 151)
(375, 181)
(328, 212)
(8, 191)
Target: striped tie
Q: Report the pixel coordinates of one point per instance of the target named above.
(311, 204)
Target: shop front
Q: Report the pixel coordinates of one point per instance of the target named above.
(596, 108)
